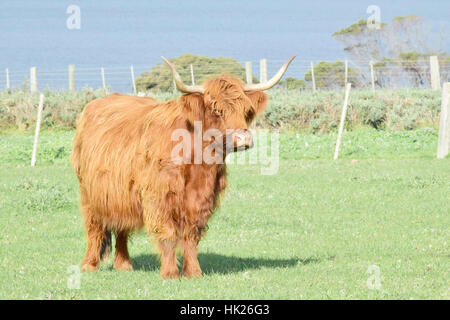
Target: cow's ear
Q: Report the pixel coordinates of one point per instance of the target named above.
(193, 106)
(259, 100)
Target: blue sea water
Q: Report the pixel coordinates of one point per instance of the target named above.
(116, 34)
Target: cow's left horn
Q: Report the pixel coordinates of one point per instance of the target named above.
(275, 79)
(179, 83)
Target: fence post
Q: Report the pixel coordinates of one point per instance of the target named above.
(372, 76)
(8, 86)
(71, 77)
(435, 76)
(262, 70)
(346, 72)
(192, 75)
(341, 124)
(33, 80)
(38, 127)
(313, 79)
(248, 72)
(133, 79)
(444, 123)
(103, 78)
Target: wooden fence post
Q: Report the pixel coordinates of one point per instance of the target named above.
(33, 80)
(8, 85)
(192, 75)
(262, 70)
(133, 79)
(71, 77)
(313, 78)
(444, 123)
(38, 127)
(341, 124)
(372, 76)
(346, 72)
(435, 76)
(248, 72)
(103, 78)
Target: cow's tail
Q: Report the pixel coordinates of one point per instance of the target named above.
(106, 248)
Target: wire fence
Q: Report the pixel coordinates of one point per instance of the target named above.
(323, 75)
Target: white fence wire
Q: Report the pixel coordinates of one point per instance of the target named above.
(395, 74)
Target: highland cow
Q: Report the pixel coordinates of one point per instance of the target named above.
(123, 156)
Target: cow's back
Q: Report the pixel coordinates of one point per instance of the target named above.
(105, 148)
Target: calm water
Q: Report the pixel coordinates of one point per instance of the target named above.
(116, 34)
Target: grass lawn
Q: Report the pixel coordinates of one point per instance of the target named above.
(318, 229)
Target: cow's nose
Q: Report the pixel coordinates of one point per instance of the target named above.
(243, 139)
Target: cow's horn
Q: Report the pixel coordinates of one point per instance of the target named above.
(275, 79)
(179, 83)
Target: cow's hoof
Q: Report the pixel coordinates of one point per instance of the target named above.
(197, 273)
(170, 274)
(90, 267)
(123, 265)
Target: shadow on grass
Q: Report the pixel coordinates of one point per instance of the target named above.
(216, 263)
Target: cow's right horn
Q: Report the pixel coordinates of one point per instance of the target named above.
(179, 83)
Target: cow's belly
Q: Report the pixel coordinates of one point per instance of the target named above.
(116, 208)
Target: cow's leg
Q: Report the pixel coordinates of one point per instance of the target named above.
(122, 258)
(191, 266)
(169, 263)
(95, 235)
(106, 248)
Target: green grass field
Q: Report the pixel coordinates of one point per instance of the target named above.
(318, 229)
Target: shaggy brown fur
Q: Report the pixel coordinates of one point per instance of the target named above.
(122, 157)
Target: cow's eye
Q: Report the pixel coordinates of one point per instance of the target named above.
(217, 112)
(249, 115)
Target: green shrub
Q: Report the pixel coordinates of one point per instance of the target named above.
(331, 75)
(402, 109)
(160, 77)
(291, 83)
(18, 109)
